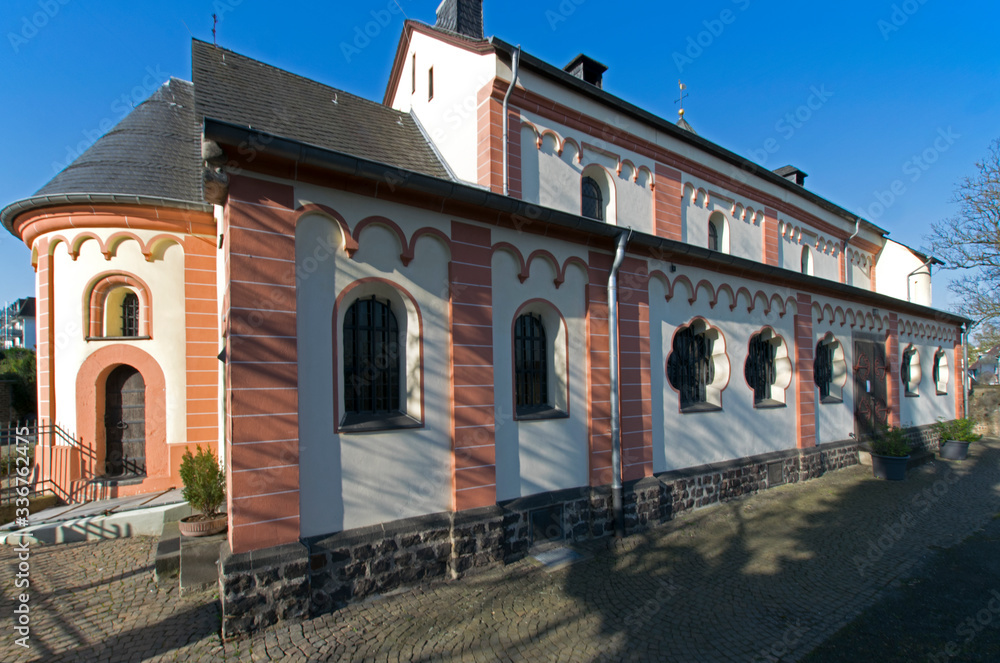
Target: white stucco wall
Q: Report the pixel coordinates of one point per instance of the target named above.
(539, 456)
(901, 274)
(356, 479)
(165, 278)
(450, 118)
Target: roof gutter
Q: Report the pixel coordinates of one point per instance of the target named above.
(515, 66)
(234, 135)
(12, 211)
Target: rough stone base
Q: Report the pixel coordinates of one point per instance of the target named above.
(984, 407)
(322, 574)
(262, 587)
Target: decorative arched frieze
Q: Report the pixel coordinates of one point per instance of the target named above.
(407, 255)
(350, 243)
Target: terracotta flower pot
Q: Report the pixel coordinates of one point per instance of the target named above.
(199, 525)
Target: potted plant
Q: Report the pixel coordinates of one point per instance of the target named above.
(954, 437)
(205, 490)
(890, 453)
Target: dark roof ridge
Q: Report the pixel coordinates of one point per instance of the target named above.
(305, 79)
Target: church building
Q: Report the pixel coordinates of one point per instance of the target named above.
(497, 308)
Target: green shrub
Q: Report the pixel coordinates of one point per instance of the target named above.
(960, 430)
(204, 481)
(890, 442)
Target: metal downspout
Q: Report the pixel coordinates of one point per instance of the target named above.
(965, 371)
(847, 265)
(616, 437)
(515, 66)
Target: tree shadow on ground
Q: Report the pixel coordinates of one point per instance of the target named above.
(771, 577)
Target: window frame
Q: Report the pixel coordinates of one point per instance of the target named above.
(409, 356)
(907, 366)
(778, 375)
(838, 369)
(598, 199)
(941, 358)
(556, 343)
(713, 364)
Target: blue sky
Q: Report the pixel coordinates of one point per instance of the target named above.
(886, 105)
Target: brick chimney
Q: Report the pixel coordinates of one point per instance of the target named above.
(586, 69)
(462, 16)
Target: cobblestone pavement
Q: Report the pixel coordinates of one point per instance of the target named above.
(768, 577)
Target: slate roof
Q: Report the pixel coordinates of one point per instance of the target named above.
(154, 151)
(236, 89)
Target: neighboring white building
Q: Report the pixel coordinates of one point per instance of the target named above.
(17, 324)
(432, 332)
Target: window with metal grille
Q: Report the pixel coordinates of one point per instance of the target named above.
(941, 372)
(823, 369)
(371, 361)
(593, 199)
(760, 368)
(531, 386)
(713, 236)
(130, 315)
(690, 368)
(906, 371)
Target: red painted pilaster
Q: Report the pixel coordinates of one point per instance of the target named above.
(262, 366)
(472, 356)
(600, 374)
(634, 369)
(893, 386)
(772, 242)
(805, 387)
(668, 200)
(489, 149)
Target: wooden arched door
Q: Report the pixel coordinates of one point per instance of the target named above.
(125, 423)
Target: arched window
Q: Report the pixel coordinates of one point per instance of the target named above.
(830, 370)
(941, 373)
(531, 391)
(910, 371)
(713, 237)
(371, 362)
(593, 200)
(718, 232)
(130, 315)
(767, 369)
(697, 367)
(807, 266)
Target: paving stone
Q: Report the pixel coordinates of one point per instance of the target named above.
(779, 571)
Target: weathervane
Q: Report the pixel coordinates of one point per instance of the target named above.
(680, 100)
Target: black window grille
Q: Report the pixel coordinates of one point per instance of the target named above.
(823, 369)
(759, 369)
(905, 372)
(130, 315)
(713, 236)
(371, 360)
(593, 199)
(690, 368)
(530, 364)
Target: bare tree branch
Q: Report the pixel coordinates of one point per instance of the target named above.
(971, 240)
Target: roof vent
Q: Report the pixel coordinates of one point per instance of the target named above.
(792, 174)
(464, 17)
(586, 69)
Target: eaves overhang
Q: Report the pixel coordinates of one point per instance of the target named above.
(303, 154)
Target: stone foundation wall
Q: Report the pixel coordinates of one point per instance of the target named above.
(325, 573)
(922, 438)
(984, 407)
